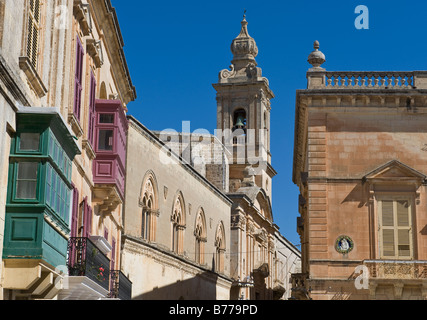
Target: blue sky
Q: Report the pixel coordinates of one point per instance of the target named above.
(175, 50)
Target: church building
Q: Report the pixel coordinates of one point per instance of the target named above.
(198, 210)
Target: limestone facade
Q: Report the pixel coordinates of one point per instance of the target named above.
(176, 225)
(358, 161)
(228, 177)
(287, 261)
(40, 42)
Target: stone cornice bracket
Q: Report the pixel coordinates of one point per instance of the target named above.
(94, 48)
(238, 221)
(33, 77)
(81, 11)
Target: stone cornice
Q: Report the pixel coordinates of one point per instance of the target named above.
(106, 20)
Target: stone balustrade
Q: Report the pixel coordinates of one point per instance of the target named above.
(368, 80)
(391, 269)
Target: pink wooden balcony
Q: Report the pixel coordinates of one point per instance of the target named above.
(110, 144)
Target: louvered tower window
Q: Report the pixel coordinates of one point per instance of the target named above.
(396, 229)
(33, 31)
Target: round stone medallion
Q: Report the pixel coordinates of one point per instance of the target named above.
(344, 244)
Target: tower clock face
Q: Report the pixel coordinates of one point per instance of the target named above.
(344, 244)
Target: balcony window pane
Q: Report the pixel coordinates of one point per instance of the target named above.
(48, 184)
(29, 141)
(26, 183)
(105, 140)
(388, 242)
(106, 118)
(387, 211)
(402, 213)
(404, 243)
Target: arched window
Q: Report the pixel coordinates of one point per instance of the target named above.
(239, 126)
(178, 225)
(149, 208)
(200, 234)
(239, 120)
(220, 246)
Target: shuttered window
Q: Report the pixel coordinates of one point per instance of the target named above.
(395, 228)
(33, 31)
(92, 113)
(78, 86)
(85, 218)
(75, 212)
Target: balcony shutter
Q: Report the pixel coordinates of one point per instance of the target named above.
(403, 223)
(387, 213)
(78, 79)
(402, 213)
(92, 109)
(113, 253)
(396, 229)
(75, 212)
(388, 242)
(33, 32)
(87, 219)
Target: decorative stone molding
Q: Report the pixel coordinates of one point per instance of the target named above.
(94, 49)
(34, 79)
(107, 197)
(87, 146)
(316, 58)
(238, 221)
(244, 46)
(75, 125)
(81, 11)
(225, 74)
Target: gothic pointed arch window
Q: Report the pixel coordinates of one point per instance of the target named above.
(149, 203)
(178, 224)
(200, 234)
(220, 246)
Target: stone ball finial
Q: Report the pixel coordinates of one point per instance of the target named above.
(316, 58)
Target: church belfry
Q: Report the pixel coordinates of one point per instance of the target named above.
(243, 115)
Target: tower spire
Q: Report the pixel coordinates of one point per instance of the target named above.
(244, 47)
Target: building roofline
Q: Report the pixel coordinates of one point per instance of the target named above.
(182, 161)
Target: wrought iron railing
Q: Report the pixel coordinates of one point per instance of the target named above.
(120, 286)
(85, 259)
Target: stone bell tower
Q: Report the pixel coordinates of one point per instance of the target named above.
(243, 115)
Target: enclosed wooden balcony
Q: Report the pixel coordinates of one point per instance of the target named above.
(110, 154)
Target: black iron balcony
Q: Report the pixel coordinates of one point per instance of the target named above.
(85, 259)
(120, 286)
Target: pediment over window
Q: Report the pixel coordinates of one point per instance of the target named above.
(395, 171)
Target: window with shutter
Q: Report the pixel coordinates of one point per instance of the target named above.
(33, 31)
(75, 212)
(91, 126)
(78, 79)
(395, 229)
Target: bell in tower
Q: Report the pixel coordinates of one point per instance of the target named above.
(243, 109)
(240, 120)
